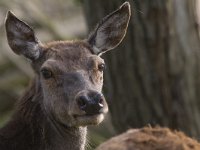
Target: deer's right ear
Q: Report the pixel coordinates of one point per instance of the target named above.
(21, 37)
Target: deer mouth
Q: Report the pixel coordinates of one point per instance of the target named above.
(89, 119)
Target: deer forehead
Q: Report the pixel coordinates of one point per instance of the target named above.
(77, 49)
(68, 57)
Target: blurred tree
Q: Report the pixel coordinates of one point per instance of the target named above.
(154, 76)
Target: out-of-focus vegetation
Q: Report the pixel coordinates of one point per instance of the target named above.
(51, 20)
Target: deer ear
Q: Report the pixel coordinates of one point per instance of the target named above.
(21, 37)
(111, 30)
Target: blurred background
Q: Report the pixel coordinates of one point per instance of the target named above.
(152, 78)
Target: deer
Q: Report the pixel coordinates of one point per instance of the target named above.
(65, 96)
(150, 138)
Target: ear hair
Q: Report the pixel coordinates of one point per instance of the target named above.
(21, 38)
(111, 30)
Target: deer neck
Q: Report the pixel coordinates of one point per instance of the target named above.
(61, 137)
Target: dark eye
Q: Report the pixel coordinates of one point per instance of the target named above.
(101, 67)
(46, 73)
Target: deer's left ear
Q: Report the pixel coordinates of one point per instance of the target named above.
(111, 30)
(21, 37)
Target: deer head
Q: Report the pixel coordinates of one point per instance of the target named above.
(70, 73)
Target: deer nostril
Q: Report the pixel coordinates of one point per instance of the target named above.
(100, 99)
(101, 102)
(82, 102)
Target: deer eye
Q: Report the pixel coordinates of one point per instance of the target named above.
(46, 73)
(101, 67)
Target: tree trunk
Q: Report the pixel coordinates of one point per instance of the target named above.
(153, 77)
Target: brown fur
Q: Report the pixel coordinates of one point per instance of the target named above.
(150, 139)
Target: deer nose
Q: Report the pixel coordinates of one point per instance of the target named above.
(91, 103)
